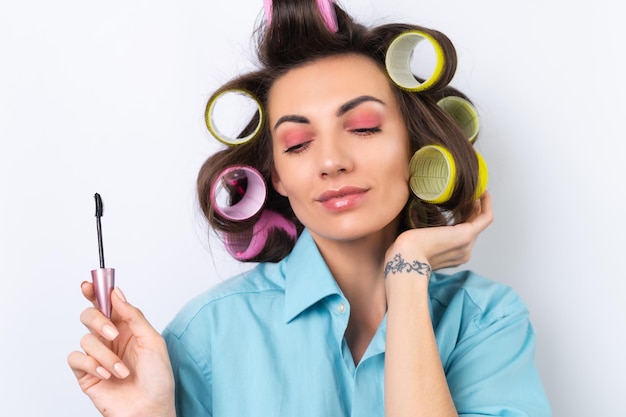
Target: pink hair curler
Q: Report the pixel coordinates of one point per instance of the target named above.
(326, 8)
(246, 245)
(267, 6)
(249, 186)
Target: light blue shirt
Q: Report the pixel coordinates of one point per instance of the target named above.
(270, 342)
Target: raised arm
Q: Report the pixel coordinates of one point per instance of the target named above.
(124, 366)
(415, 382)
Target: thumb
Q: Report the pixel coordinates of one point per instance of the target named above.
(131, 315)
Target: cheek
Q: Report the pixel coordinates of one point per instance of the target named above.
(395, 157)
(288, 177)
(398, 177)
(398, 190)
(394, 165)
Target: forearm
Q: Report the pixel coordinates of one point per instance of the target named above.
(415, 383)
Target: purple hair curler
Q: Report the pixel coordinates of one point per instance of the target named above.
(240, 183)
(246, 245)
(325, 7)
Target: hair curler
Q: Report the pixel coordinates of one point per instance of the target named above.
(483, 176)
(463, 113)
(326, 8)
(238, 193)
(433, 174)
(398, 61)
(210, 120)
(246, 245)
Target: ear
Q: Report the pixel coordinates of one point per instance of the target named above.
(276, 182)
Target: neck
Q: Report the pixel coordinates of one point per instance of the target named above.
(357, 266)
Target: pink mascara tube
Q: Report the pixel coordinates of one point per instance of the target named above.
(103, 278)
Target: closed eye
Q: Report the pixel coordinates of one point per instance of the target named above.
(366, 131)
(299, 148)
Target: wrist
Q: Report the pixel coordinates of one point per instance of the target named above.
(165, 413)
(163, 408)
(400, 266)
(406, 281)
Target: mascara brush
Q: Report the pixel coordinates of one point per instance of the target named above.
(103, 278)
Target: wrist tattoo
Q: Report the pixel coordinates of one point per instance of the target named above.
(398, 265)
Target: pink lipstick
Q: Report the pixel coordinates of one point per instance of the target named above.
(103, 278)
(344, 198)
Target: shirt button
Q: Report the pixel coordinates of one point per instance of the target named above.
(341, 308)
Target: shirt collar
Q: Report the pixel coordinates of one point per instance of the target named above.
(307, 277)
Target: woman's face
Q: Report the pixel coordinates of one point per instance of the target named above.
(340, 147)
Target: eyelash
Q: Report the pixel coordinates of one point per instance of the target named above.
(296, 149)
(301, 147)
(366, 131)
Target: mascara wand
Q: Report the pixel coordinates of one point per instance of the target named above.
(99, 212)
(103, 278)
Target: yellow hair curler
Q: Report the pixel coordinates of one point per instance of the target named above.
(210, 122)
(463, 113)
(398, 61)
(483, 176)
(432, 174)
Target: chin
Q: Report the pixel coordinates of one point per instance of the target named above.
(347, 231)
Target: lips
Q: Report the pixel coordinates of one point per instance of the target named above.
(342, 199)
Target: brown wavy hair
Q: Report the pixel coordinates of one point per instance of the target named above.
(298, 35)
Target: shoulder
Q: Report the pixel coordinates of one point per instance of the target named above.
(264, 280)
(476, 299)
(487, 345)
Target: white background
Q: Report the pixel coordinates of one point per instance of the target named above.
(109, 97)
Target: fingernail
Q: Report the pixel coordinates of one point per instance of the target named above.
(103, 372)
(121, 370)
(109, 331)
(120, 294)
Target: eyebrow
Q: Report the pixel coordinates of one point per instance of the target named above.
(346, 107)
(291, 118)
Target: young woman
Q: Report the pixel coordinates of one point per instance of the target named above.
(343, 315)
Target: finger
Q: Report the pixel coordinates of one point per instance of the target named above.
(96, 349)
(132, 316)
(484, 212)
(487, 203)
(83, 365)
(98, 324)
(86, 288)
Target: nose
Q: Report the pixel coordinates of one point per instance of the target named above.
(335, 156)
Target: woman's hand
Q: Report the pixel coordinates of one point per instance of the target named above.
(415, 382)
(124, 367)
(445, 246)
